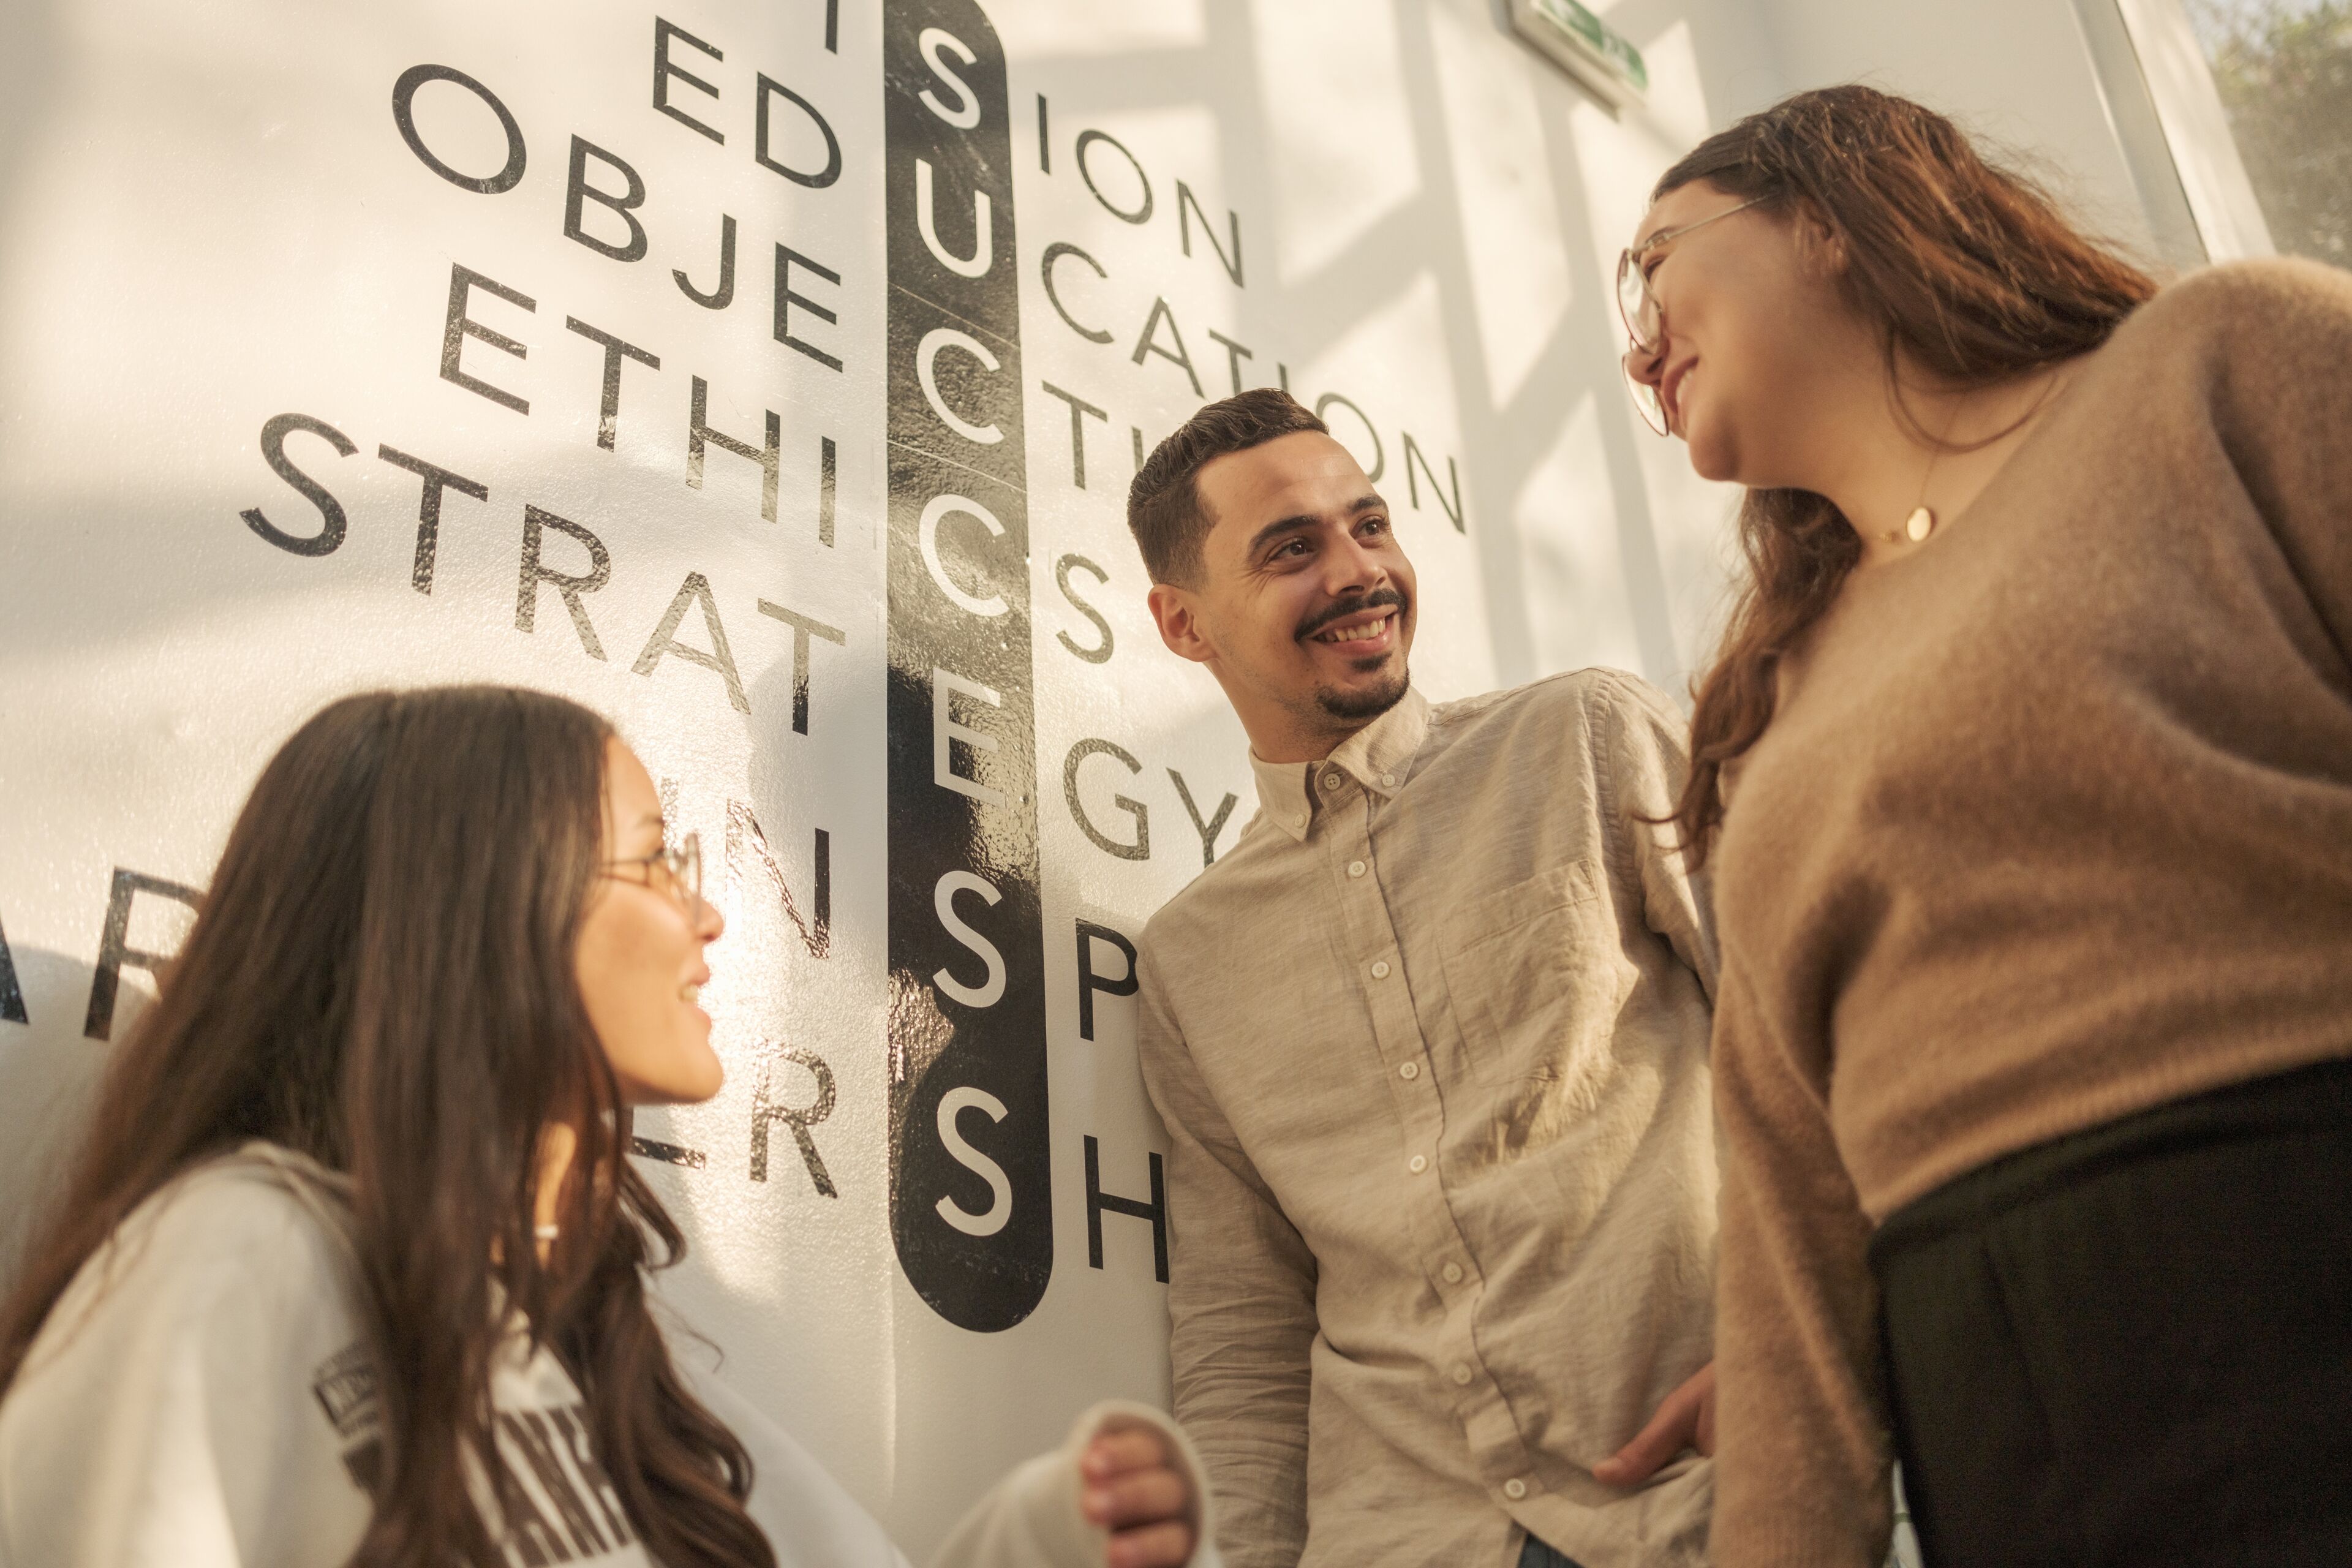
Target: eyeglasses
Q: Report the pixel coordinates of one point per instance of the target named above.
(676, 871)
(1644, 321)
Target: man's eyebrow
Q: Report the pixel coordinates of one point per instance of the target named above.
(1282, 525)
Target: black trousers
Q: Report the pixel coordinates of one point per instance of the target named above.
(2135, 1345)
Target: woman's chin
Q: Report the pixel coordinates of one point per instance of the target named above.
(1711, 457)
(705, 1083)
(695, 1076)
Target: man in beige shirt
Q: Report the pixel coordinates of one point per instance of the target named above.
(1431, 1043)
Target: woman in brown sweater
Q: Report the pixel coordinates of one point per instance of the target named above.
(2026, 775)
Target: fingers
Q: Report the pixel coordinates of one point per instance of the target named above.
(1668, 1433)
(1138, 1496)
(1702, 1386)
(1129, 1488)
(1128, 1448)
(1678, 1425)
(1163, 1546)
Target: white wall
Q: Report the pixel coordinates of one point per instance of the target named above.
(2019, 73)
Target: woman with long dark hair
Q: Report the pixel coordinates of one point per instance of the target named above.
(352, 1267)
(2025, 771)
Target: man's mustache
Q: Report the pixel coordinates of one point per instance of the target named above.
(1374, 600)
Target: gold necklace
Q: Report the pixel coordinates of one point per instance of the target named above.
(1922, 520)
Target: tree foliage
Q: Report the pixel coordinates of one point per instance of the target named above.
(2284, 70)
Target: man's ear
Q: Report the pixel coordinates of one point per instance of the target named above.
(1177, 615)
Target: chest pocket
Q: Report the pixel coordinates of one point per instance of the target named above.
(1532, 971)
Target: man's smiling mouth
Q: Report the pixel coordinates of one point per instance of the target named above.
(1351, 631)
(1355, 620)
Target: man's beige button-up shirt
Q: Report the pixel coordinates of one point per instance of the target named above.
(1431, 1043)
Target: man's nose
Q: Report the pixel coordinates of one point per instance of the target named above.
(1352, 568)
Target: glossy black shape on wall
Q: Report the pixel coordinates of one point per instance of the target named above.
(970, 1195)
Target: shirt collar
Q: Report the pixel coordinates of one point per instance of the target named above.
(1379, 757)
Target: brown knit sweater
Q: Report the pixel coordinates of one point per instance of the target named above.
(2052, 823)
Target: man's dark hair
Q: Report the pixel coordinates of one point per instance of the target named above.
(1163, 504)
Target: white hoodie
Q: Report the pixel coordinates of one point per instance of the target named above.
(202, 1397)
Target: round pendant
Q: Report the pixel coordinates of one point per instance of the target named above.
(1922, 524)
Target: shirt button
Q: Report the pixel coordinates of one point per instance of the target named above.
(1355, 868)
(1417, 1164)
(1409, 1071)
(1298, 819)
(1453, 1274)
(1388, 780)
(1462, 1375)
(1515, 1489)
(1331, 781)
(1381, 970)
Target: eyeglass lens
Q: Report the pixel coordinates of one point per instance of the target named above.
(1645, 398)
(1634, 304)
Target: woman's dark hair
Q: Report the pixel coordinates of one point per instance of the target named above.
(1968, 271)
(381, 978)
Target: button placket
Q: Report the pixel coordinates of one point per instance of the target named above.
(1400, 1039)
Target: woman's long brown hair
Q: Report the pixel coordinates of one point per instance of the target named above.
(381, 978)
(1969, 272)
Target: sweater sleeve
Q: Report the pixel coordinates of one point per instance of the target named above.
(1031, 1518)
(1801, 1453)
(2283, 407)
(1241, 1303)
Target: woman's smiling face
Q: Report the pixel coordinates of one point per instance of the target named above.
(640, 961)
(1752, 328)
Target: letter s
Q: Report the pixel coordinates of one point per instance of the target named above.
(954, 1102)
(933, 41)
(331, 521)
(991, 990)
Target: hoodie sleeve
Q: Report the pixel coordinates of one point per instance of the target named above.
(808, 1517)
(168, 1417)
(1031, 1518)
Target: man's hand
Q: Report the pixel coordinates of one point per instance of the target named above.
(1686, 1420)
(1130, 1486)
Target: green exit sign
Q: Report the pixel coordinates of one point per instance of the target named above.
(1584, 46)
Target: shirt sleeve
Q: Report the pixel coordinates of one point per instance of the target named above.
(1032, 1520)
(1801, 1453)
(1647, 759)
(1241, 1303)
(166, 1419)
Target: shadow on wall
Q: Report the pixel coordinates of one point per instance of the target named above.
(1527, 347)
(28, 85)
